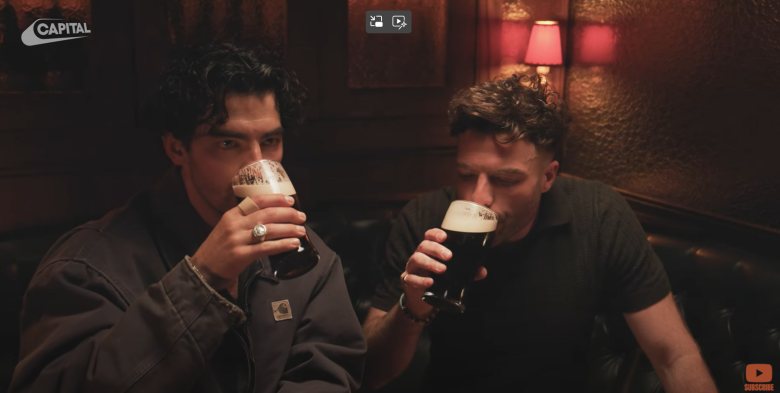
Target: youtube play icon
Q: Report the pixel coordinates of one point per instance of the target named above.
(758, 373)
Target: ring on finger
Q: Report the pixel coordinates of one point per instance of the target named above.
(258, 233)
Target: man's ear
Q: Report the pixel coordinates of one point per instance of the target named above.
(550, 174)
(174, 149)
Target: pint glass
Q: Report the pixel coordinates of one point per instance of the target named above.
(269, 177)
(469, 227)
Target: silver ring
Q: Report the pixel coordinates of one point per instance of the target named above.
(258, 233)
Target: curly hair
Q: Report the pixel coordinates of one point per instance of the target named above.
(512, 108)
(193, 87)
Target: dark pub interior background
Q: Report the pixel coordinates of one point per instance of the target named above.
(675, 103)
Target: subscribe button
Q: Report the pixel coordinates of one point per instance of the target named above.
(759, 378)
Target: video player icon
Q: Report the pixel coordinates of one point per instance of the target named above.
(388, 21)
(399, 21)
(758, 373)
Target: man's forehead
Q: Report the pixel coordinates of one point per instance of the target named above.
(240, 108)
(239, 105)
(224, 130)
(498, 153)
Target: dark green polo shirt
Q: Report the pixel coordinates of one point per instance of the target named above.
(527, 325)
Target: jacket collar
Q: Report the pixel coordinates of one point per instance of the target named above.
(181, 229)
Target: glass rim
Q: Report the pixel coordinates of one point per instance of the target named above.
(477, 205)
(253, 163)
(261, 172)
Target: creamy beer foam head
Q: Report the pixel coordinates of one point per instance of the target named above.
(469, 217)
(262, 177)
(245, 190)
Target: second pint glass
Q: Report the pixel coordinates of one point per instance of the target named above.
(269, 177)
(469, 227)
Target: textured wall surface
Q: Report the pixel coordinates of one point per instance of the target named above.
(686, 111)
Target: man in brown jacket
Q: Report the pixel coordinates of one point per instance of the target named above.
(171, 293)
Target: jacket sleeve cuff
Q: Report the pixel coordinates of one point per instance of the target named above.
(201, 308)
(233, 310)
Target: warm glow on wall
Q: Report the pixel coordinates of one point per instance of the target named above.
(514, 40)
(597, 45)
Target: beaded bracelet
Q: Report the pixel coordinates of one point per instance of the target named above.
(423, 321)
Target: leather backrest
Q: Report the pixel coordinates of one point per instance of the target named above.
(730, 301)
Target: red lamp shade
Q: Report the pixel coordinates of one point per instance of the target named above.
(544, 46)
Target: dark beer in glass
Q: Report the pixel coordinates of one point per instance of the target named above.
(469, 227)
(269, 177)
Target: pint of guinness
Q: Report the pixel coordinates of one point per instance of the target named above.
(269, 177)
(469, 227)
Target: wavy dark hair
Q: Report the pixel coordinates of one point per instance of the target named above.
(512, 108)
(192, 88)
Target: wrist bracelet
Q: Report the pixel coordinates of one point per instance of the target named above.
(207, 276)
(423, 321)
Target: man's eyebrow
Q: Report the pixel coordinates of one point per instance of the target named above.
(499, 172)
(222, 133)
(273, 133)
(509, 172)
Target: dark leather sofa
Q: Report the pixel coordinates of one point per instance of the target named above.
(730, 303)
(725, 277)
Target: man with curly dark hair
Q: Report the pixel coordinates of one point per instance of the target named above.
(171, 292)
(564, 250)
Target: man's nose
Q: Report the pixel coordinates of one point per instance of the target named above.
(483, 192)
(256, 152)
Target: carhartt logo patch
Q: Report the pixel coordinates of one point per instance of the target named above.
(282, 310)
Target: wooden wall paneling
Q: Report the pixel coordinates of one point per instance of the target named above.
(303, 50)
(112, 72)
(336, 99)
(151, 47)
(23, 110)
(40, 68)
(386, 179)
(378, 136)
(95, 171)
(107, 68)
(45, 149)
(245, 22)
(67, 156)
(39, 200)
(361, 146)
(417, 59)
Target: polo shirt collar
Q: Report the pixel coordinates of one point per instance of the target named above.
(554, 208)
